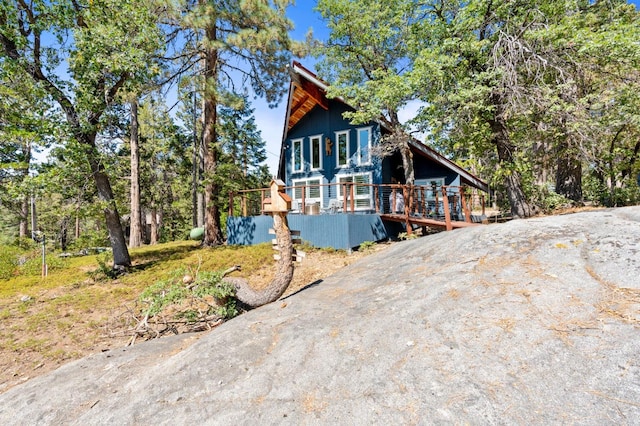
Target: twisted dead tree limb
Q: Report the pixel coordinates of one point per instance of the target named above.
(284, 269)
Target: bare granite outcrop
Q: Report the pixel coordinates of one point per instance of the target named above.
(529, 322)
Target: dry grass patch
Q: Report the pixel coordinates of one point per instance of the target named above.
(78, 310)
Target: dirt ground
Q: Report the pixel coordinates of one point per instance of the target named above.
(27, 349)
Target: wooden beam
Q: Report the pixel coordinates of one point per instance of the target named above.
(299, 102)
(315, 92)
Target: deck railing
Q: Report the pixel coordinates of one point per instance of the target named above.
(445, 204)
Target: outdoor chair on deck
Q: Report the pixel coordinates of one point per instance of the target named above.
(335, 206)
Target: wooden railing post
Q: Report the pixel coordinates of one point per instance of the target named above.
(445, 204)
(344, 197)
(352, 196)
(230, 204)
(243, 203)
(304, 196)
(465, 205)
(376, 194)
(262, 197)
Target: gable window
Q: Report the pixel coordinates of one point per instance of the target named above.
(296, 155)
(361, 190)
(342, 148)
(316, 152)
(364, 145)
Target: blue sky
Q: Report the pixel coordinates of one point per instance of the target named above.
(271, 121)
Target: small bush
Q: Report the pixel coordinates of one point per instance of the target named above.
(367, 245)
(406, 236)
(161, 294)
(548, 200)
(105, 269)
(9, 256)
(207, 285)
(33, 264)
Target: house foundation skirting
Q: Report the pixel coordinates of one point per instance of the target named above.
(339, 231)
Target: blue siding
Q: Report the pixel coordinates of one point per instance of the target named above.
(326, 123)
(425, 169)
(340, 231)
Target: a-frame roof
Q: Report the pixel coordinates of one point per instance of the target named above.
(306, 91)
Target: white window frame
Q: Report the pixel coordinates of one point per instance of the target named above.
(293, 155)
(363, 196)
(359, 150)
(308, 198)
(311, 155)
(347, 153)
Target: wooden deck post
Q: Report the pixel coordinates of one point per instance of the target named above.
(376, 194)
(352, 196)
(445, 204)
(465, 205)
(230, 212)
(344, 197)
(243, 201)
(262, 201)
(304, 195)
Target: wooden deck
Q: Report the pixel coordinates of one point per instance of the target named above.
(430, 222)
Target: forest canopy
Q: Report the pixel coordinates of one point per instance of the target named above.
(541, 100)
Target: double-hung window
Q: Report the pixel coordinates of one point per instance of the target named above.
(310, 188)
(364, 145)
(342, 148)
(362, 192)
(316, 152)
(297, 161)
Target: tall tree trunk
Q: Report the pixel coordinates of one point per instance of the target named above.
(24, 217)
(153, 239)
(135, 230)
(105, 194)
(63, 233)
(568, 173)
(76, 233)
(407, 164)
(213, 230)
(520, 206)
(200, 198)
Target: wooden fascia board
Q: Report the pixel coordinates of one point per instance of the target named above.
(315, 93)
(297, 105)
(285, 131)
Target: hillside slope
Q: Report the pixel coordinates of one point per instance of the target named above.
(532, 321)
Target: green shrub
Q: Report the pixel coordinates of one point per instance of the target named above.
(367, 245)
(211, 284)
(548, 200)
(173, 291)
(33, 264)
(9, 257)
(406, 236)
(162, 294)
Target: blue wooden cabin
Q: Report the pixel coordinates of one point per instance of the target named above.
(322, 155)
